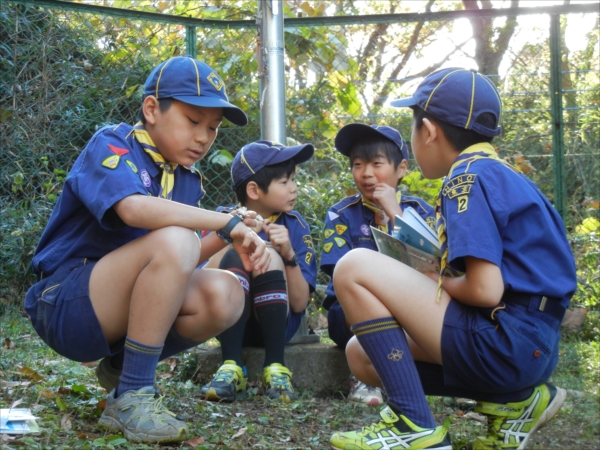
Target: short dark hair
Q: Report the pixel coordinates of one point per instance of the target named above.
(459, 138)
(369, 147)
(163, 105)
(264, 177)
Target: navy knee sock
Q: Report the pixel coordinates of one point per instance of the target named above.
(176, 343)
(386, 346)
(139, 366)
(271, 307)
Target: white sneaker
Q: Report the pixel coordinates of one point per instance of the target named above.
(360, 392)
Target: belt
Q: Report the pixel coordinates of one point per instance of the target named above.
(549, 306)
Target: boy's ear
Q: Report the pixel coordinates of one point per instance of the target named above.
(401, 169)
(252, 190)
(150, 108)
(432, 131)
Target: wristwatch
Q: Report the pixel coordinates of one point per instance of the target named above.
(290, 262)
(224, 233)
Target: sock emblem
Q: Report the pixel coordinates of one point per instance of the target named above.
(395, 354)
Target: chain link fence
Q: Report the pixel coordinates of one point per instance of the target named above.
(64, 74)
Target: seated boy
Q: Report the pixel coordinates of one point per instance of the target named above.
(379, 160)
(490, 334)
(264, 180)
(116, 262)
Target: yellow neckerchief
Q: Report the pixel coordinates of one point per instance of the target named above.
(381, 218)
(469, 156)
(167, 182)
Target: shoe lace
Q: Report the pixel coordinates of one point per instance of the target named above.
(280, 381)
(226, 375)
(156, 403)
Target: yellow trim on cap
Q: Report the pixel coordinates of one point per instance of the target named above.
(434, 89)
(160, 75)
(243, 160)
(472, 100)
(197, 76)
(493, 86)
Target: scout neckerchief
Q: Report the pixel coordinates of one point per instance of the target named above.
(168, 169)
(470, 155)
(381, 218)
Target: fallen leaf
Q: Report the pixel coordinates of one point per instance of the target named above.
(195, 441)
(30, 373)
(65, 390)
(101, 405)
(65, 423)
(16, 403)
(15, 383)
(8, 344)
(476, 417)
(164, 376)
(241, 432)
(47, 394)
(82, 436)
(172, 362)
(90, 364)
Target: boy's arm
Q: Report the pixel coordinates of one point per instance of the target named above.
(481, 286)
(385, 196)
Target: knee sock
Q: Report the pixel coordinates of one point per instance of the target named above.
(176, 343)
(386, 346)
(232, 338)
(432, 379)
(139, 366)
(271, 307)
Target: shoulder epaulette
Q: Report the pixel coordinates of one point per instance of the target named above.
(346, 202)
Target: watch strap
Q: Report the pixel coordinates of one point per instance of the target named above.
(225, 232)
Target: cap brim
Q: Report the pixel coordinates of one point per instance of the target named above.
(347, 136)
(410, 101)
(231, 112)
(299, 153)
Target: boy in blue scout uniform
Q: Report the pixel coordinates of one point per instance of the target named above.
(263, 175)
(491, 333)
(116, 262)
(379, 160)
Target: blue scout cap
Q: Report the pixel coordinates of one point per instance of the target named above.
(347, 136)
(191, 81)
(256, 155)
(458, 96)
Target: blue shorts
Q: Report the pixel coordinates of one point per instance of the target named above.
(336, 325)
(61, 312)
(512, 351)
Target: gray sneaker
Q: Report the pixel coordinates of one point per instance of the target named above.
(141, 417)
(108, 377)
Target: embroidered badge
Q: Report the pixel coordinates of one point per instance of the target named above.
(214, 79)
(327, 247)
(308, 257)
(332, 215)
(395, 355)
(145, 177)
(119, 151)
(111, 162)
(308, 242)
(132, 166)
(463, 203)
(431, 222)
(328, 232)
(459, 185)
(340, 228)
(339, 241)
(364, 229)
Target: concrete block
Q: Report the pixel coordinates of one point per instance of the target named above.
(322, 368)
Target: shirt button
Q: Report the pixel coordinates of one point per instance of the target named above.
(536, 353)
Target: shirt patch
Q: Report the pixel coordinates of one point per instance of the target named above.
(327, 247)
(111, 162)
(308, 242)
(119, 151)
(308, 257)
(431, 222)
(145, 177)
(328, 232)
(463, 203)
(132, 166)
(459, 185)
(332, 215)
(364, 229)
(339, 241)
(340, 228)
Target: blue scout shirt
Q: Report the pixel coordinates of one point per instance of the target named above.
(494, 213)
(347, 226)
(299, 233)
(112, 166)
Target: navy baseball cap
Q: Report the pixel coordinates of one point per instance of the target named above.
(191, 81)
(458, 96)
(256, 155)
(347, 136)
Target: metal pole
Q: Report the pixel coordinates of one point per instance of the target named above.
(270, 66)
(190, 40)
(558, 144)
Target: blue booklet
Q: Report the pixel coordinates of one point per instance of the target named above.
(414, 231)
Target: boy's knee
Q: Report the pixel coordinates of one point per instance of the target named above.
(347, 265)
(177, 245)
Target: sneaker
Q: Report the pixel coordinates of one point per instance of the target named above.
(277, 382)
(360, 392)
(141, 417)
(392, 432)
(511, 425)
(108, 377)
(227, 384)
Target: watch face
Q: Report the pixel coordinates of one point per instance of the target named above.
(292, 262)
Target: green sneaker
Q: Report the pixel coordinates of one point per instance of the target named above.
(277, 382)
(141, 417)
(108, 377)
(229, 382)
(392, 432)
(511, 425)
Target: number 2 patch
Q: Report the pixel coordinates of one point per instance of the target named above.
(463, 203)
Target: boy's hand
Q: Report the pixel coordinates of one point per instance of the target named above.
(251, 248)
(280, 239)
(253, 221)
(385, 197)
